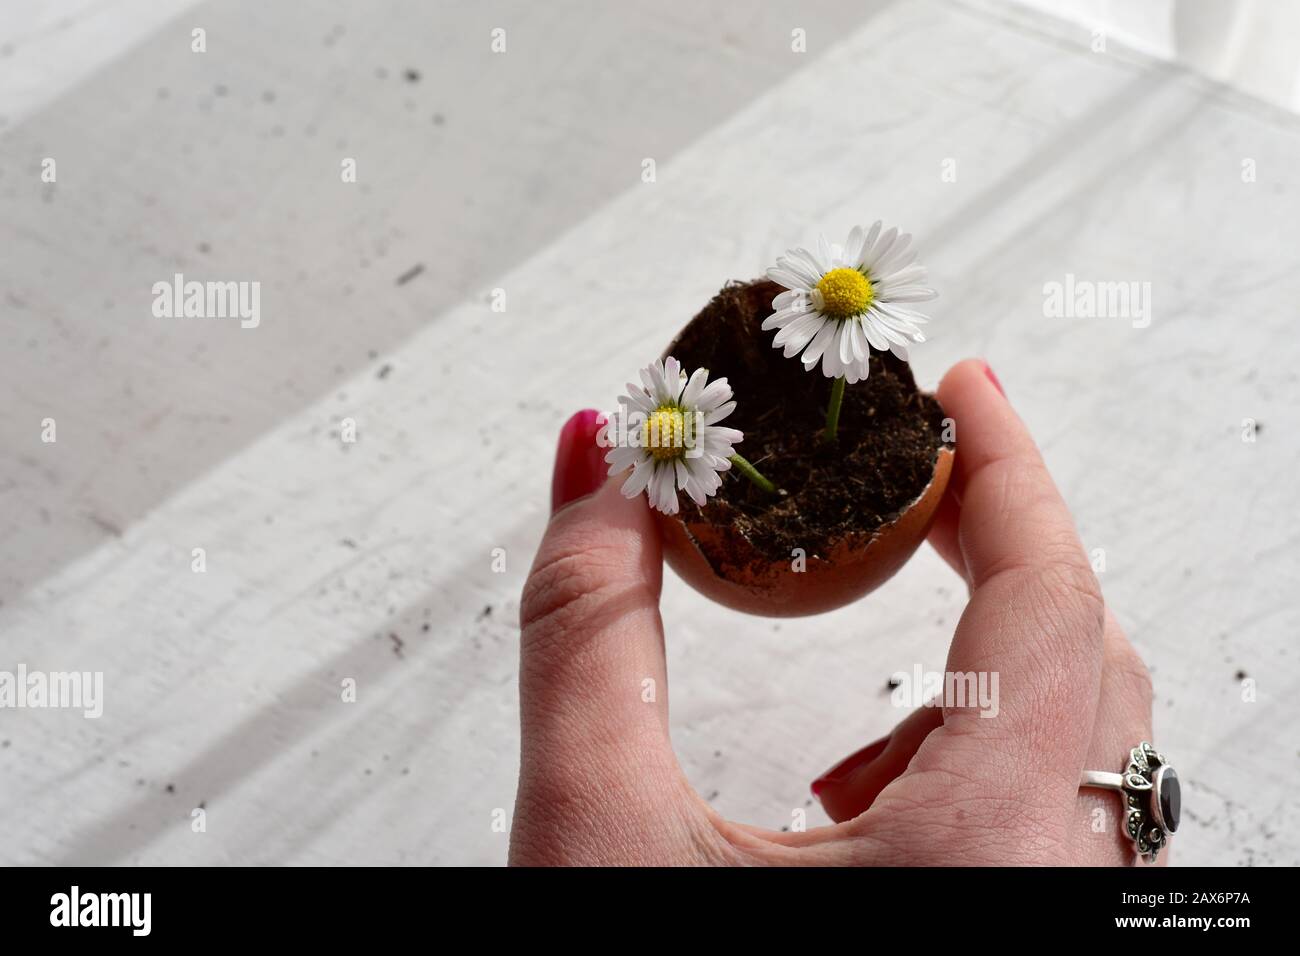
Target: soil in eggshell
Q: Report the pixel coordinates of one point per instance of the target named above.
(889, 434)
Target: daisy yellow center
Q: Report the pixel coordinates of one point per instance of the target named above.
(665, 433)
(845, 293)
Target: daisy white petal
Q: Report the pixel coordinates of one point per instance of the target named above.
(665, 480)
(639, 399)
(832, 367)
(913, 294)
(875, 335)
(802, 338)
(786, 278)
(691, 393)
(639, 478)
(809, 322)
(714, 394)
(783, 318)
(659, 388)
(892, 260)
(846, 343)
(674, 377)
(818, 345)
(891, 335)
(802, 265)
(853, 248)
(901, 319)
(890, 317)
(688, 483)
(798, 339)
(622, 458)
(868, 243)
(825, 251)
(887, 279)
(788, 298)
(861, 347)
(884, 246)
(719, 413)
(809, 259)
(906, 275)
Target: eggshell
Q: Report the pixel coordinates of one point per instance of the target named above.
(740, 577)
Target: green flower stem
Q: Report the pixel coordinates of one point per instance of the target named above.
(833, 410)
(750, 472)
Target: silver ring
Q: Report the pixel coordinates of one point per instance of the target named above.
(1152, 798)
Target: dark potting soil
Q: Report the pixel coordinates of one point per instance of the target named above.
(883, 458)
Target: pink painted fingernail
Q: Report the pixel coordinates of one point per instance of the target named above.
(988, 371)
(846, 767)
(579, 461)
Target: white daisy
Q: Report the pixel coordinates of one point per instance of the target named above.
(842, 302)
(667, 432)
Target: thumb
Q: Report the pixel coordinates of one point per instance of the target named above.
(592, 677)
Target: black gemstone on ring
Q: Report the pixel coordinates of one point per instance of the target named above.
(1170, 798)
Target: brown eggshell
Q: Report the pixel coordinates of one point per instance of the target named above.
(748, 581)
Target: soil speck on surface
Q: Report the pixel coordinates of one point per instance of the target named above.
(410, 273)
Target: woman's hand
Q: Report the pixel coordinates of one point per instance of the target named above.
(599, 783)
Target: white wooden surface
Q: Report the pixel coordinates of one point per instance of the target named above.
(522, 172)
